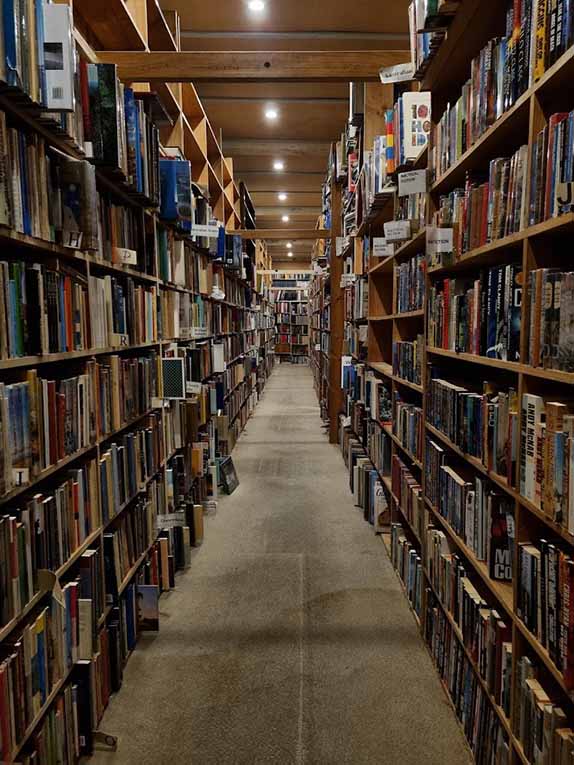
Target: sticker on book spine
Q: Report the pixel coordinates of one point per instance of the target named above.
(125, 256)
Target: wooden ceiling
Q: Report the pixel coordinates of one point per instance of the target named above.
(310, 115)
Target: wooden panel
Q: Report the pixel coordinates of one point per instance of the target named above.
(267, 181)
(294, 198)
(272, 91)
(112, 24)
(289, 16)
(276, 148)
(236, 66)
(300, 120)
(277, 233)
(293, 41)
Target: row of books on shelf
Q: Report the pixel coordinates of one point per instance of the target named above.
(479, 315)
(407, 563)
(505, 68)
(44, 421)
(407, 491)
(408, 425)
(409, 284)
(356, 297)
(488, 207)
(365, 483)
(483, 315)
(408, 359)
(433, 17)
(478, 512)
(483, 421)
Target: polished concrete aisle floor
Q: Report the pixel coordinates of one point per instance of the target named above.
(289, 640)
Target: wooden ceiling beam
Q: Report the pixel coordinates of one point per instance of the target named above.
(253, 147)
(271, 234)
(252, 66)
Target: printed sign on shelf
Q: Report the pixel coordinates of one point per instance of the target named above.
(397, 230)
(209, 232)
(346, 361)
(398, 73)
(193, 387)
(439, 240)
(381, 248)
(412, 182)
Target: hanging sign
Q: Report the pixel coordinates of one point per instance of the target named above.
(398, 73)
(412, 182)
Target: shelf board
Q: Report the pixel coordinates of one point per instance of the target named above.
(112, 24)
(405, 251)
(418, 314)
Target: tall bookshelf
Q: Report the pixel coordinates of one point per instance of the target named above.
(291, 295)
(105, 472)
(427, 540)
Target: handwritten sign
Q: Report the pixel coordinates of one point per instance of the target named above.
(397, 73)
(382, 248)
(397, 230)
(193, 388)
(412, 182)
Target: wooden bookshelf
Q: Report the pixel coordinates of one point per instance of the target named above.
(534, 246)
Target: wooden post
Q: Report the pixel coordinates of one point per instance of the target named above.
(337, 318)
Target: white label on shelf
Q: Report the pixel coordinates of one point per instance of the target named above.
(347, 280)
(208, 232)
(564, 193)
(125, 256)
(20, 476)
(199, 332)
(439, 240)
(159, 403)
(381, 248)
(170, 520)
(339, 246)
(412, 182)
(346, 422)
(317, 346)
(193, 387)
(397, 230)
(346, 361)
(398, 73)
(119, 341)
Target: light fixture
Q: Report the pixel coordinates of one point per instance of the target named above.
(290, 254)
(282, 196)
(289, 245)
(271, 113)
(256, 5)
(278, 165)
(285, 219)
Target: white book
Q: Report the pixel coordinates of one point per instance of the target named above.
(218, 358)
(59, 54)
(532, 408)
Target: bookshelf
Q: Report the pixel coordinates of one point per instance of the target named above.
(291, 294)
(395, 429)
(109, 301)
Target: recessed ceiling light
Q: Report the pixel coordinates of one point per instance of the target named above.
(290, 254)
(271, 113)
(289, 245)
(278, 165)
(282, 196)
(256, 5)
(285, 219)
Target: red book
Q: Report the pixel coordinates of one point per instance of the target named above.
(53, 422)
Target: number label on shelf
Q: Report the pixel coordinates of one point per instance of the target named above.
(412, 182)
(125, 256)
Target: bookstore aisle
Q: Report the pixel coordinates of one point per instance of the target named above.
(289, 640)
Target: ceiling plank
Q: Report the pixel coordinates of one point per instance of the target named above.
(253, 147)
(243, 66)
(281, 233)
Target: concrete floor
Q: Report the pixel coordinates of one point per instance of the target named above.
(289, 640)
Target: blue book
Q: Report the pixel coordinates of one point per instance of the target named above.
(167, 171)
(491, 317)
(132, 134)
(11, 44)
